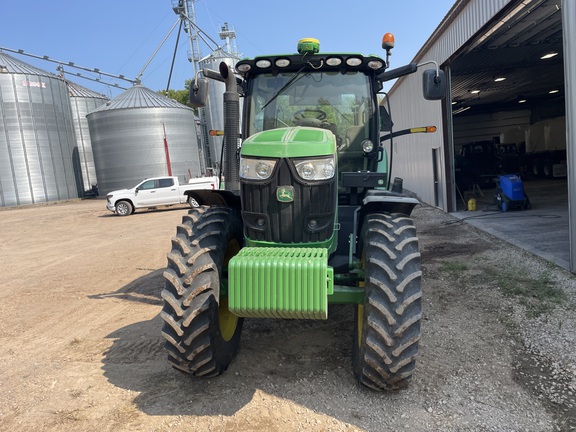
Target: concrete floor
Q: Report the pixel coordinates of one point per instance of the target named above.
(542, 230)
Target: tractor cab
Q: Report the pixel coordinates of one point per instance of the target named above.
(334, 92)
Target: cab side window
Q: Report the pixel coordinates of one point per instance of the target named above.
(147, 185)
(165, 183)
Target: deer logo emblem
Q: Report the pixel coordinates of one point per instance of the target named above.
(285, 194)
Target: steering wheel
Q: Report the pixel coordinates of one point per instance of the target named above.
(299, 115)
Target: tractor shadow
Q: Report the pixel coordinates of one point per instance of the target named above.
(306, 362)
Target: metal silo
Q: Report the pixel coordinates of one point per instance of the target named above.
(37, 140)
(214, 111)
(83, 101)
(129, 133)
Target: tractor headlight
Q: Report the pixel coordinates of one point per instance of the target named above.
(315, 169)
(367, 146)
(256, 169)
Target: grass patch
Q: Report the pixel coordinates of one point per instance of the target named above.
(454, 267)
(539, 295)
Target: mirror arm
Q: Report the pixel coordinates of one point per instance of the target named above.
(398, 72)
(435, 64)
(212, 74)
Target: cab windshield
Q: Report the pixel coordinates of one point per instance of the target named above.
(338, 102)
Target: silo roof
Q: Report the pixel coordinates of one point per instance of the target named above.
(77, 90)
(9, 64)
(139, 97)
(218, 54)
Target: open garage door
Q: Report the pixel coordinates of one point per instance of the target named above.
(509, 118)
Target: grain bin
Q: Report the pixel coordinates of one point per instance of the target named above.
(128, 135)
(37, 139)
(214, 111)
(83, 101)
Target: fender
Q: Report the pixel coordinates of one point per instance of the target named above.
(215, 197)
(389, 202)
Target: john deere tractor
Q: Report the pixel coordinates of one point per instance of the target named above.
(307, 217)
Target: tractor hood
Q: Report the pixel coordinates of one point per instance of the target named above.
(290, 142)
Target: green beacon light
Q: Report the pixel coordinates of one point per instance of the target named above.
(308, 46)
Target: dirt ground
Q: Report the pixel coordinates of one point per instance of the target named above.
(82, 348)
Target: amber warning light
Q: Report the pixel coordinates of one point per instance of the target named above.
(216, 132)
(388, 41)
(423, 129)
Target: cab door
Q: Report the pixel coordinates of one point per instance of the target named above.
(146, 194)
(167, 192)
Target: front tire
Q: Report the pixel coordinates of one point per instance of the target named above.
(202, 335)
(124, 208)
(387, 325)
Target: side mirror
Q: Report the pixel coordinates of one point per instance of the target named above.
(199, 93)
(434, 86)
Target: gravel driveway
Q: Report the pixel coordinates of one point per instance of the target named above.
(82, 349)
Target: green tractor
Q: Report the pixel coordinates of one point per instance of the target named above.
(308, 216)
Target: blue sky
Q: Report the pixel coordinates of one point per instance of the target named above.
(121, 36)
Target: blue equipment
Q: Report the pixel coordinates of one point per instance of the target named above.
(510, 193)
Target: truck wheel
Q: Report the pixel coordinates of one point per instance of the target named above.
(387, 325)
(192, 202)
(124, 208)
(202, 335)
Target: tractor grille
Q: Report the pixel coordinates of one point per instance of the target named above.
(309, 218)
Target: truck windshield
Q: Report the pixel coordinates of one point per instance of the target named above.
(338, 102)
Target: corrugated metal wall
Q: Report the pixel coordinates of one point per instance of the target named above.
(83, 101)
(413, 153)
(569, 34)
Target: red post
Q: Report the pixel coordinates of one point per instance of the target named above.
(167, 152)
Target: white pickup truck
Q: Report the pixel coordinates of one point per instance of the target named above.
(157, 191)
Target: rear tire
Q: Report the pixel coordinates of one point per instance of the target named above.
(202, 335)
(192, 202)
(387, 325)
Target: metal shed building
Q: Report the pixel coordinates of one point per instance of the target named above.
(477, 44)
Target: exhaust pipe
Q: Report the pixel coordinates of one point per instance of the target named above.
(231, 129)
